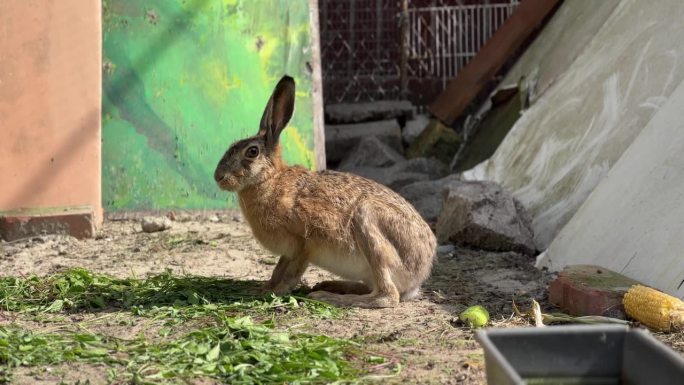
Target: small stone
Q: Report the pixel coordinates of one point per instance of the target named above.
(61, 250)
(237, 218)
(214, 219)
(154, 224)
(445, 249)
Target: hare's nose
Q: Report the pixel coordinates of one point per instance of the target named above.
(219, 176)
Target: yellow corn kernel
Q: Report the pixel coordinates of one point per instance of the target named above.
(654, 309)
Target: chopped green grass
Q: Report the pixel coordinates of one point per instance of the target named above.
(80, 289)
(165, 296)
(237, 352)
(239, 343)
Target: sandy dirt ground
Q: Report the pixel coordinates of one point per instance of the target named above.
(421, 337)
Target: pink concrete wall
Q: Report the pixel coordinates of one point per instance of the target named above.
(50, 104)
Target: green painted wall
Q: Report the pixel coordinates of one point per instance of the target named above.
(183, 79)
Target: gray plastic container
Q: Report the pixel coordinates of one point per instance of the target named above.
(588, 354)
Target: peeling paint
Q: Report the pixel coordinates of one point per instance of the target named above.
(183, 80)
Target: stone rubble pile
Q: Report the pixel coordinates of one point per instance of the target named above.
(388, 143)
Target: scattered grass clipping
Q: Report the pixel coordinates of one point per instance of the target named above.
(236, 342)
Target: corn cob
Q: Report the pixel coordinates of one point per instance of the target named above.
(654, 309)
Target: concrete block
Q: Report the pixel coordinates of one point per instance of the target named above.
(363, 112)
(582, 290)
(79, 222)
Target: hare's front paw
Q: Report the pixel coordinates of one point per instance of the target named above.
(277, 289)
(266, 288)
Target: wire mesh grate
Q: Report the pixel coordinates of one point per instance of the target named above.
(361, 45)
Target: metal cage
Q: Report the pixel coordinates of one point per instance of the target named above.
(401, 49)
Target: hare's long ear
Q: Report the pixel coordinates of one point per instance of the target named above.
(278, 111)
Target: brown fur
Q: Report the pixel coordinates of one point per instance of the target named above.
(347, 224)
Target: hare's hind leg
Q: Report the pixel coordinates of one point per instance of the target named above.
(342, 287)
(382, 258)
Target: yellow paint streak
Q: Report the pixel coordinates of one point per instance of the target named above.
(159, 92)
(236, 82)
(300, 147)
(267, 50)
(216, 83)
(295, 32)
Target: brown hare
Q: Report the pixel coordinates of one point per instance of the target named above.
(351, 226)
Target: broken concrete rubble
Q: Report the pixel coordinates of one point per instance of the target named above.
(376, 160)
(430, 166)
(402, 173)
(370, 151)
(427, 196)
(363, 112)
(340, 139)
(482, 214)
(388, 176)
(436, 141)
(413, 128)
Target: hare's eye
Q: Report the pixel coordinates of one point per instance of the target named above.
(252, 152)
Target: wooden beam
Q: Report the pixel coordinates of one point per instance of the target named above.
(470, 81)
(317, 87)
